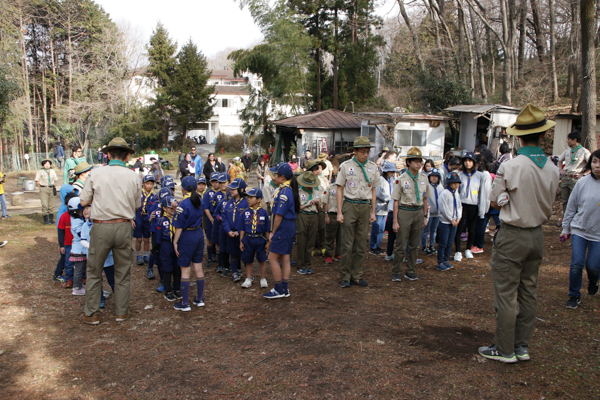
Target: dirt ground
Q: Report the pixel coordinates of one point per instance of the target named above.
(386, 341)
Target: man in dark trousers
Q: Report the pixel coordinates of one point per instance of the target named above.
(247, 161)
(523, 190)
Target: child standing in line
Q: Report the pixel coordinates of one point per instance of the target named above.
(390, 171)
(164, 238)
(383, 196)
(141, 231)
(470, 195)
(450, 210)
(430, 231)
(333, 229)
(231, 215)
(254, 227)
(65, 239)
(78, 253)
(220, 200)
(483, 166)
(167, 190)
(209, 204)
(286, 206)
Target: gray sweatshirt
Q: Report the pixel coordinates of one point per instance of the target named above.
(383, 197)
(437, 191)
(582, 217)
(446, 209)
(471, 189)
(486, 189)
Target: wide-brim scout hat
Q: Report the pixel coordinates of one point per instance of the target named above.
(299, 171)
(452, 178)
(362, 142)
(238, 183)
(386, 148)
(412, 153)
(255, 192)
(323, 156)
(308, 179)
(117, 144)
(282, 169)
(313, 163)
(148, 178)
(45, 161)
(189, 183)
(82, 167)
(389, 167)
(529, 121)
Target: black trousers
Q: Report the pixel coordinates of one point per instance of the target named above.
(176, 275)
(468, 220)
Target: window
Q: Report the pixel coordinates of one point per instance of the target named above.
(407, 137)
(225, 103)
(369, 131)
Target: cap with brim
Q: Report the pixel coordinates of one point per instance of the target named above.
(238, 183)
(222, 178)
(413, 152)
(362, 142)
(529, 121)
(390, 167)
(308, 179)
(469, 155)
(46, 160)
(452, 178)
(167, 201)
(322, 156)
(255, 192)
(435, 172)
(82, 167)
(312, 163)
(117, 144)
(164, 192)
(282, 169)
(148, 178)
(202, 180)
(386, 148)
(189, 183)
(214, 176)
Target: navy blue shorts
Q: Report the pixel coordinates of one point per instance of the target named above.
(283, 239)
(254, 246)
(233, 246)
(167, 257)
(191, 247)
(142, 226)
(208, 227)
(214, 238)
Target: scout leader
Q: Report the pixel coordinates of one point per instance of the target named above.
(575, 158)
(523, 190)
(307, 222)
(410, 214)
(45, 179)
(356, 198)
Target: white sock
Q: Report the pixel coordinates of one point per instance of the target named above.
(139, 253)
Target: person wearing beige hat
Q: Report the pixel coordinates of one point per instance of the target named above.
(316, 167)
(82, 171)
(356, 198)
(307, 221)
(523, 190)
(327, 172)
(45, 179)
(114, 192)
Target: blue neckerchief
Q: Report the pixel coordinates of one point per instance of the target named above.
(436, 194)
(389, 183)
(455, 211)
(469, 175)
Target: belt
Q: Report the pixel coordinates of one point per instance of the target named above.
(110, 221)
(357, 201)
(255, 235)
(308, 212)
(47, 186)
(410, 208)
(516, 228)
(193, 228)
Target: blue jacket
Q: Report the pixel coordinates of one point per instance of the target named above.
(64, 191)
(197, 163)
(76, 227)
(60, 152)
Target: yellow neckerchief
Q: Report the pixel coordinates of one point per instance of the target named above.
(283, 185)
(187, 195)
(201, 193)
(255, 217)
(146, 196)
(171, 227)
(235, 205)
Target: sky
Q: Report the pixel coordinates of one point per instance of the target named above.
(213, 25)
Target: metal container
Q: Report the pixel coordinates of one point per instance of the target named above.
(29, 186)
(17, 199)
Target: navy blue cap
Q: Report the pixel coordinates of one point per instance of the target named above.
(169, 184)
(227, 176)
(148, 178)
(435, 172)
(167, 201)
(189, 183)
(452, 178)
(468, 154)
(238, 183)
(282, 169)
(202, 180)
(214, 176)
(255, 192)
(164, 192)
(223, 178)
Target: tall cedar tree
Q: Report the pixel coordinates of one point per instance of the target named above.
(191, 97)
(161, 56)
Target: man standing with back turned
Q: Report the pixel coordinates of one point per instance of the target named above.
(115, 192)
(523, 191)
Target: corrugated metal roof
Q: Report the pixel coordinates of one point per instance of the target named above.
(481, 108)
(391, 116)
(328, 119)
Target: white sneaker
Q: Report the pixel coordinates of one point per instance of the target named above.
(458, 256)
(264, 283)
(389, 258)
(468, 254)
(247, 283)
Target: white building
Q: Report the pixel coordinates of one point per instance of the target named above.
(141, 88)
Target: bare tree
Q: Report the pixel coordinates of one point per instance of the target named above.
(553, 51)
(413, 33)
(588, 72)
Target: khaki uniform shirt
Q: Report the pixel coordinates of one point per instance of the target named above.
(268, 192)
(324, 184)
(581, 158)
(531, 191)
(115, 192)
(42, 177)
(328, 168)
(352, 178)
(405, 191)
(305, 197)
(330, 198)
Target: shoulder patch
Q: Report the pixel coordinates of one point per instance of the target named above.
(283, 197)
(179, 210)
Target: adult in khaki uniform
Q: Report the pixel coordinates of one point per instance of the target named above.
(410, 214)
(82, 171)
(327, 172)
(333, 229)
(45, 179)
(316, 167)
(356, 180)
(575, 159)
(115, 192)
(307, 221)
(523, 190)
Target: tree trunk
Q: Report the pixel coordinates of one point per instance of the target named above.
(537, 27)
(70, 61)
(45, 110)
(507, 64)
(436, 34)
(522, 37)
(480, 66)
(25, 73)
(588, 72)
(469, 48)
(335, 61)
(413, 33)
(574, 53)
(553, 52)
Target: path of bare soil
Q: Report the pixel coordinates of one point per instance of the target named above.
(387, 341)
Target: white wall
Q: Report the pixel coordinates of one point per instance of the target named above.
(468, 130)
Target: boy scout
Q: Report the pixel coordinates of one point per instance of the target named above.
(45, 179)
(115, 192)
(523, 191)
(307, 221)
(410, 214)
(356, 198)
(333, 230)
(316, 167)
(575, 159)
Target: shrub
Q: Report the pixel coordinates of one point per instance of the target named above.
(230, 143)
